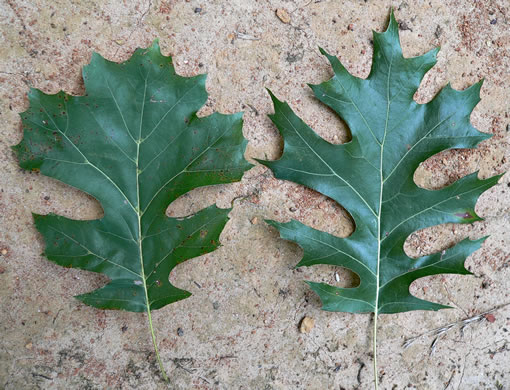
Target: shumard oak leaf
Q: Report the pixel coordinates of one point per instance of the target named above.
(135, 143)
(372, 177)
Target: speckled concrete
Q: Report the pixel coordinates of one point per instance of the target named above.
(240, 329)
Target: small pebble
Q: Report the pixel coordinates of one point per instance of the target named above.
(28, 346)
(254, 221)
(180, 332)
(307, 324)
(198, 10)
(4, 251)
(350, 27)
(283, 15)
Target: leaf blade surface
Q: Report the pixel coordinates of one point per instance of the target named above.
(135, 144)
(372, 177)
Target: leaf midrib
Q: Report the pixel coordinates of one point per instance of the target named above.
(381, 188)
(138, 214)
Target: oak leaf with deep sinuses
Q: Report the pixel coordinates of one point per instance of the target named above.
(372, 177)
(135, 143)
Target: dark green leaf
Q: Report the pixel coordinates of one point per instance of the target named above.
(372, 177)
(134, 143)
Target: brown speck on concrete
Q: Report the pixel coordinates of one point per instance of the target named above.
(306, 325)
(283, 15)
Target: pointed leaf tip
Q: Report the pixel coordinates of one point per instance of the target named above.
(323, 52)
(154, 47)
(274, 99)
(271, 94)
(393, 19)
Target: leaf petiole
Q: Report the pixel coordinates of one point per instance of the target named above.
(158, 358)
(376, 377)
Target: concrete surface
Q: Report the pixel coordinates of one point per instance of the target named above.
(240, 329)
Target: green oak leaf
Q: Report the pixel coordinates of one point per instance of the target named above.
(372, 177)
(135, 143)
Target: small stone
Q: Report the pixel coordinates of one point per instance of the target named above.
(283, 15)
(4, 252)
(216, 305)
(180, 332)
(29, 346)
(254, 220)
(350, 27)
(490, 317)
(119, 42)
(307, 324)
(197, 10)
(37, 70)
(2, 270)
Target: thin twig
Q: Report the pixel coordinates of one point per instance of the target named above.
(179, 365)
(449, 380)
(246, 37)
(439, 332)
